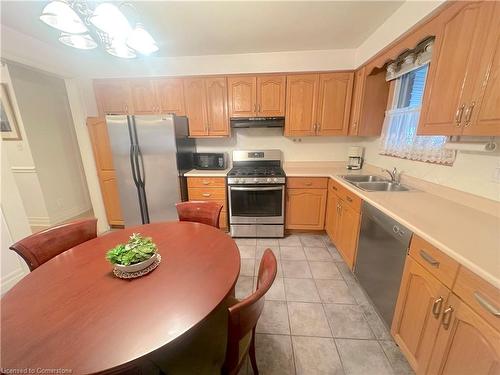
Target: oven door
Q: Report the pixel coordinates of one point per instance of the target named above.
(256, 204)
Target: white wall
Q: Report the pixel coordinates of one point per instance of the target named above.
(49, 128)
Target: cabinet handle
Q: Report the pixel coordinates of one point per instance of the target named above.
(429, 259)
(468, 114)
(308, 183)
(458, 115)
(447, 317)
(255, 107)
(314, 127)
(487, 304)
(334, 187)
(349, 199)
(318, 126)
(205, 182)
(258, 107)
(436, 307)
(206, 194)
(354, 124)
(126, 108)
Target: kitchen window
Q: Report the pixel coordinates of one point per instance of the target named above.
(399, 135)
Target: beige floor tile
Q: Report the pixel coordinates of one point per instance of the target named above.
(325, 270)
(397, 360)
(277, 290)
(308, 319)
(244, 287)
(317, 253)
(348, 321)
(362, 357)
(312, 240)
(274, 355)
(290, 240)
(335, 254)
(246, 241)
(247, 267)
(301, 290)
(260, 251)
(274, 318)
(272, 242)
(292, 253)
(316, 356)
(334, 291)
(296, 269)
(376, 323)
(247, 251)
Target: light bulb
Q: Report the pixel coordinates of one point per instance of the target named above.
(119, 48)
(108, 18)
(141, 41)
(84, 41)
(61, 16)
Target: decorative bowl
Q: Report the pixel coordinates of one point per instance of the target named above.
(137, 266)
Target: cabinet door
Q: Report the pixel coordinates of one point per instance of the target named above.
(113, 97)
(415, 325)
(348, 231)
(101, 147)
(170, 95)
(448, 92)
(143, 95)
(332, 217)
(271, 95)
(357, 99)
(242, 96)
(218, 121)
(467, 346)
(485, 115)
(196, 106)
(335, 91)
(305, 208)
(301, 104)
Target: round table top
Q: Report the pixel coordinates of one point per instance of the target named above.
(73, 313)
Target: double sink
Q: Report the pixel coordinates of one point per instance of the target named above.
(374, 183)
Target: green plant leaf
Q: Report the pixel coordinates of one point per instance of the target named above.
(137, 249)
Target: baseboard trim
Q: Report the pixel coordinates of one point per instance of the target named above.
(9, 280)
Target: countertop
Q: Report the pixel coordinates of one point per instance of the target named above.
(469, 236)
(207, 173)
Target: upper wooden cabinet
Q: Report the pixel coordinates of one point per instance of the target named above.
(113, 97)
(257, 96)
(318, 104)
(143, 96)
(369, 102)
(206, 106)
(463, 87)
(170, 95)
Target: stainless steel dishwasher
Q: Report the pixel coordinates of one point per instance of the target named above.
(382, 248)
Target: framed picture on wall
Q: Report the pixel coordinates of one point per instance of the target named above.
(8, 122)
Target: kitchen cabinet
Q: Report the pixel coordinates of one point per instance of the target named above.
(143, 96)
(113, 97)
(210, 189)
(463, 88)
(343, 221)
(318, 104)
(170, 95)
(369, 102)
(465, 343)
(305, 203)
(101, 147)
(418, 314)
(257, 96)
(206, 106)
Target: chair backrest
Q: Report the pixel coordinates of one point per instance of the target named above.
(200, 212)
(244, 315)
(43, 246)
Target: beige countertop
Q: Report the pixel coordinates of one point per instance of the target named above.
(206, 173)
(470, 236)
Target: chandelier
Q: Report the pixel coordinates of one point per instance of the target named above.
(85, 28)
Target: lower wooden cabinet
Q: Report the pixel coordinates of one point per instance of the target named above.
(305, 207)
(343, 221)
(209, 189)
(465, 344)
(418, 314)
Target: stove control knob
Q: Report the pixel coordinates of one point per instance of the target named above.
(275, 179)
(269, 180)
(256, 179)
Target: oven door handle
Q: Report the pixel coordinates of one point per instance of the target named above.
(267, 188)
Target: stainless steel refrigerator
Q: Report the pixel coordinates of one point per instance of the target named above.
(150, 155)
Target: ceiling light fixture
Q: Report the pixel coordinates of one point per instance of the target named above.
(85, 28)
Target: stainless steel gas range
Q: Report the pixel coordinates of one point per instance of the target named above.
(256, 190)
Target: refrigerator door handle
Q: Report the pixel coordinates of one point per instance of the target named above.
(133, 165)
(140, 167)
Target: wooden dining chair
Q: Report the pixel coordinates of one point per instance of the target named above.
(45, 245)
(200, 212)
(243, 317)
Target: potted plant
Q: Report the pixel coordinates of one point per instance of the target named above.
(137, 254)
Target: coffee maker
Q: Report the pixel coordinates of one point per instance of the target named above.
(355, 157)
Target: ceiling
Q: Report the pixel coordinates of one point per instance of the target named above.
(214, 28)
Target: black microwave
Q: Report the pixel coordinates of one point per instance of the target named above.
(209, 160)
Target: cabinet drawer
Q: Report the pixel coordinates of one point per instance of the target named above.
(208, 193)
(206, 181)
(307, 183)
(350, 198)
(434, 260)
(483, 297)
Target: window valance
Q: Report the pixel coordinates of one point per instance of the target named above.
(410, 60)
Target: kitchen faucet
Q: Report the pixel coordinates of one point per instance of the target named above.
(395, 176)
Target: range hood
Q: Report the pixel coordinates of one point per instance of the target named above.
(258, 122)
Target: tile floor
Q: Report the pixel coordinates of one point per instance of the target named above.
(316, 318)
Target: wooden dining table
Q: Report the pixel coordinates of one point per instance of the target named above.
(73, 313)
